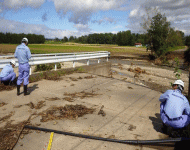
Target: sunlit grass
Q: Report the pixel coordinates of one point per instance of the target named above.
(72, 47)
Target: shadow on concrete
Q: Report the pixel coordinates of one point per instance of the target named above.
(32, 88)
(157, 122)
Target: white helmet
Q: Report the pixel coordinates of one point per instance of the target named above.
(13, 62)
(179, 82)
(25, 40)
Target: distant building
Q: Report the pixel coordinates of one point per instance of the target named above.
(138, 44)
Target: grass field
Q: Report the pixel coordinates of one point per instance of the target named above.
(72, 47)
(76, 47)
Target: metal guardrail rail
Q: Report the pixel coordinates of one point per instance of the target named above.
(55, 58)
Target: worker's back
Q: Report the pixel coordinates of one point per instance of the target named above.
(22, 53)
(175, 104)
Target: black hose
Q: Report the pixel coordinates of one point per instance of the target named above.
(134, 142)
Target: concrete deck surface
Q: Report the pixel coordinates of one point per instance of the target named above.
(132, 113)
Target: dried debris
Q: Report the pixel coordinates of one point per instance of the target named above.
(39, 105)
(137, 70)
(52, 98)
(17, 106)
(55, 76)
(9, 135)
(2, 104)
(68, 111)
(6, 87)
(5, 118)
(101, 112)
(131, 127)
(120, 66)
(130, 87)
(80, 94)
(111, 137)
(73, 79)
(89, 77)
(136, 75)
(69, 99)
(79, 78)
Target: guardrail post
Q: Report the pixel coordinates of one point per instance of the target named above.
(107, 58)
(55, 66)
(73, 64)
(88, 62)
(30, 70)
(98, 60)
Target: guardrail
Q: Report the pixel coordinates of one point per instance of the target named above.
(55, 58)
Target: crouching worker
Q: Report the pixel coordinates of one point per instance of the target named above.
(175, 109)
(23, 54)
(7, 75)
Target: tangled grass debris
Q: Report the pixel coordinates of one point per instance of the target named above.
(81, 95)
(52, 98)
(6, 87)
(66, 112)
(39, 105)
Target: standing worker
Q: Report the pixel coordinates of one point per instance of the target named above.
(175, 109)
(23, 55)
(7, 74)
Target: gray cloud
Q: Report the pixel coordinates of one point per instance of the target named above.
(82, 28)
(81, 11)
(19, 4)
(104, 20)
(176, 11)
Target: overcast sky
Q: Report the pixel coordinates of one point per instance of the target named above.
(59, 18)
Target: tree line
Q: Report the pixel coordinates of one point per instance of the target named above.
(154, 38)
(13, 38)
(122, 38)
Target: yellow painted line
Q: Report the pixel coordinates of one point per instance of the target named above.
(50, 141)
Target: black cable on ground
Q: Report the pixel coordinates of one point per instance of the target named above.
(134, 142)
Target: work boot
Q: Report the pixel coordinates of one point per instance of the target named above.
(25, 90)
(18, 90)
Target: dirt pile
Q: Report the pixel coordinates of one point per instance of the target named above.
(68, 111)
